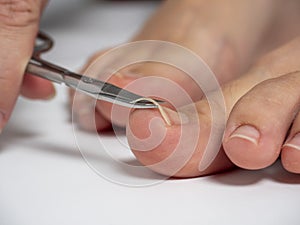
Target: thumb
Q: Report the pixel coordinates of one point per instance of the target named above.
(18, 27)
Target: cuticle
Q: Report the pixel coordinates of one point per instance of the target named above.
(246, 124)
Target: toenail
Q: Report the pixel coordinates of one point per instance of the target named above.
(170, 117)
(294, 142)
(159, 107)
(246, 132)
(177, 118)
(129, 74)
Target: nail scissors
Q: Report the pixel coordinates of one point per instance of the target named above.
(97, 89)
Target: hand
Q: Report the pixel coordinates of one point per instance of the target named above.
(19, 22)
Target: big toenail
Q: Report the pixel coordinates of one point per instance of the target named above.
(130, 74)
(159, 107)
(294, 142)
(246, 132)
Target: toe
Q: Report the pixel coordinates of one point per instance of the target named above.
(83, 107)
(290, 155)
(259, 121)
(173, 150)
(146, 70)
(267, 110)
(150, 79)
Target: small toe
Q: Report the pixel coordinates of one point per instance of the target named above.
(290, 155)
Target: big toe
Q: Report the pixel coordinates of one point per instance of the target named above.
(150, 79)
(172, 144)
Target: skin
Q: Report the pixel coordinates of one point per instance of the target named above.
(210, 29)
(19, 22)
(259, 76)
(258, 71)
(259, 143)
(253, 104)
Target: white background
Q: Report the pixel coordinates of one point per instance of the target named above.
(44, 180)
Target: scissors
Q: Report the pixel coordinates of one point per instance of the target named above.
(97, 89)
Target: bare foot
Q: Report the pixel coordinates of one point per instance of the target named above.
(263, 105)
(216, 31)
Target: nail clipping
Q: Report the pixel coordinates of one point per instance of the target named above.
(160, 108)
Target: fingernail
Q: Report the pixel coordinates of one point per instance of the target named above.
(294, 142)
(51, 96)
(246, 132)
(1, 121)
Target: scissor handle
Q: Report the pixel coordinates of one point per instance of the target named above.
(93, 87)
(42, 68)
(43, 43)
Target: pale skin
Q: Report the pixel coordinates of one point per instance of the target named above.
(253, 47)
(19, 22)
(256, 63)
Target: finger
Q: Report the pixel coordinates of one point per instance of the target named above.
(37, 88)
(18, 25)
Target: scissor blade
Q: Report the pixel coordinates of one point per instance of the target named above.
(111, 93)
(90, 86)
(93, 87)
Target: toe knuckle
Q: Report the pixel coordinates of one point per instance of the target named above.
(19, 13)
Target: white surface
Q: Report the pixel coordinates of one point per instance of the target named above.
(44, 180)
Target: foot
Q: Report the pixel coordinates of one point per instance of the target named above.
(265, 122)
(263, 105)
(210, 29)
